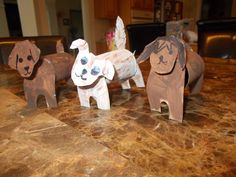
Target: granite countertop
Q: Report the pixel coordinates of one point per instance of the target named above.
(129, 140)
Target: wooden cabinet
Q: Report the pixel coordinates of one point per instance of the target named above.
(149, 5)
(142, 4)
(137, 4)
(101, 47)
(106, 9)
(172, 10)
(126, 8)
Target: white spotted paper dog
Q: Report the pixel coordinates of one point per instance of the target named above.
(90, 73)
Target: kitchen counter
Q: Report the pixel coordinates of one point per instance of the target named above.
(129, 140)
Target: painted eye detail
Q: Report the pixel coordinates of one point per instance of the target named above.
(84, 60)
(95, 70)
(171, 52)
(29, 57)
(161, 60)
(84, 71)
(20, 60)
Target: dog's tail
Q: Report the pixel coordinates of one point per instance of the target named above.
(120, 37)
(59, 47)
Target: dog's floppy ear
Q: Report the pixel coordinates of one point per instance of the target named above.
(80, 44)
(164, 60)
(108, 70)
(35, 51)
(181, 48)
(13, 57)
(75, 44)
(182, 55)
(147, 51)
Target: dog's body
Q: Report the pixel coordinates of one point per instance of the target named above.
(170, 60)
(89, 73)
(40, 73)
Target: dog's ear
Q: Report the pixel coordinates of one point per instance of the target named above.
(147, 51)
(164, 60)
(13, 57)
(35, 51)
(80, 44)
(75, 44)
(108, 70)
(182, 54)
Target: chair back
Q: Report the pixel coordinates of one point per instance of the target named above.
(142, 34)
(217, 38)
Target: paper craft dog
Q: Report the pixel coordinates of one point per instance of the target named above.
(89, 73)
(172, 62)
(40, 73)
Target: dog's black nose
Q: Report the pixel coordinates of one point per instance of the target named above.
(26, 68)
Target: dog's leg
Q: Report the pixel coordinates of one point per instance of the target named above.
(30, 94)
(155, 104)
(195, 87)
(101, 95)
(31, 98)
(175, 104)
(84, 97)
(138, 77)
(103, 101)
(48, 90)
(51, 99)
(154, 97)
(125, 84)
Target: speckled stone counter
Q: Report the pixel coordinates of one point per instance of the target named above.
(129, 140)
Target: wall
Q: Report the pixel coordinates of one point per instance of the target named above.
(43, 25)
(28, 17)
(52, 16)
(47, 17)
(3, 21)
(93, 29)
(63, 15)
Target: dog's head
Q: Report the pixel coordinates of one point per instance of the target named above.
(163, 53)
(88, 68)
(23, 58)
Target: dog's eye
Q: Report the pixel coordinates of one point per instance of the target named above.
(84, 60)
(170, 52)
(161, 58)
(84, 71)
(95, 70)
(29, 57)
(20, 60)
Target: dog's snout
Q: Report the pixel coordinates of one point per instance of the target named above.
(26, 68)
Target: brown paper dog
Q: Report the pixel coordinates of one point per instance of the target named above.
(172, 63)
(40, 73)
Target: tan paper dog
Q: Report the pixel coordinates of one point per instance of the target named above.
(40, 73)
(172, 63)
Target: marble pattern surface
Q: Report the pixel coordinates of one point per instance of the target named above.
(128, 140)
